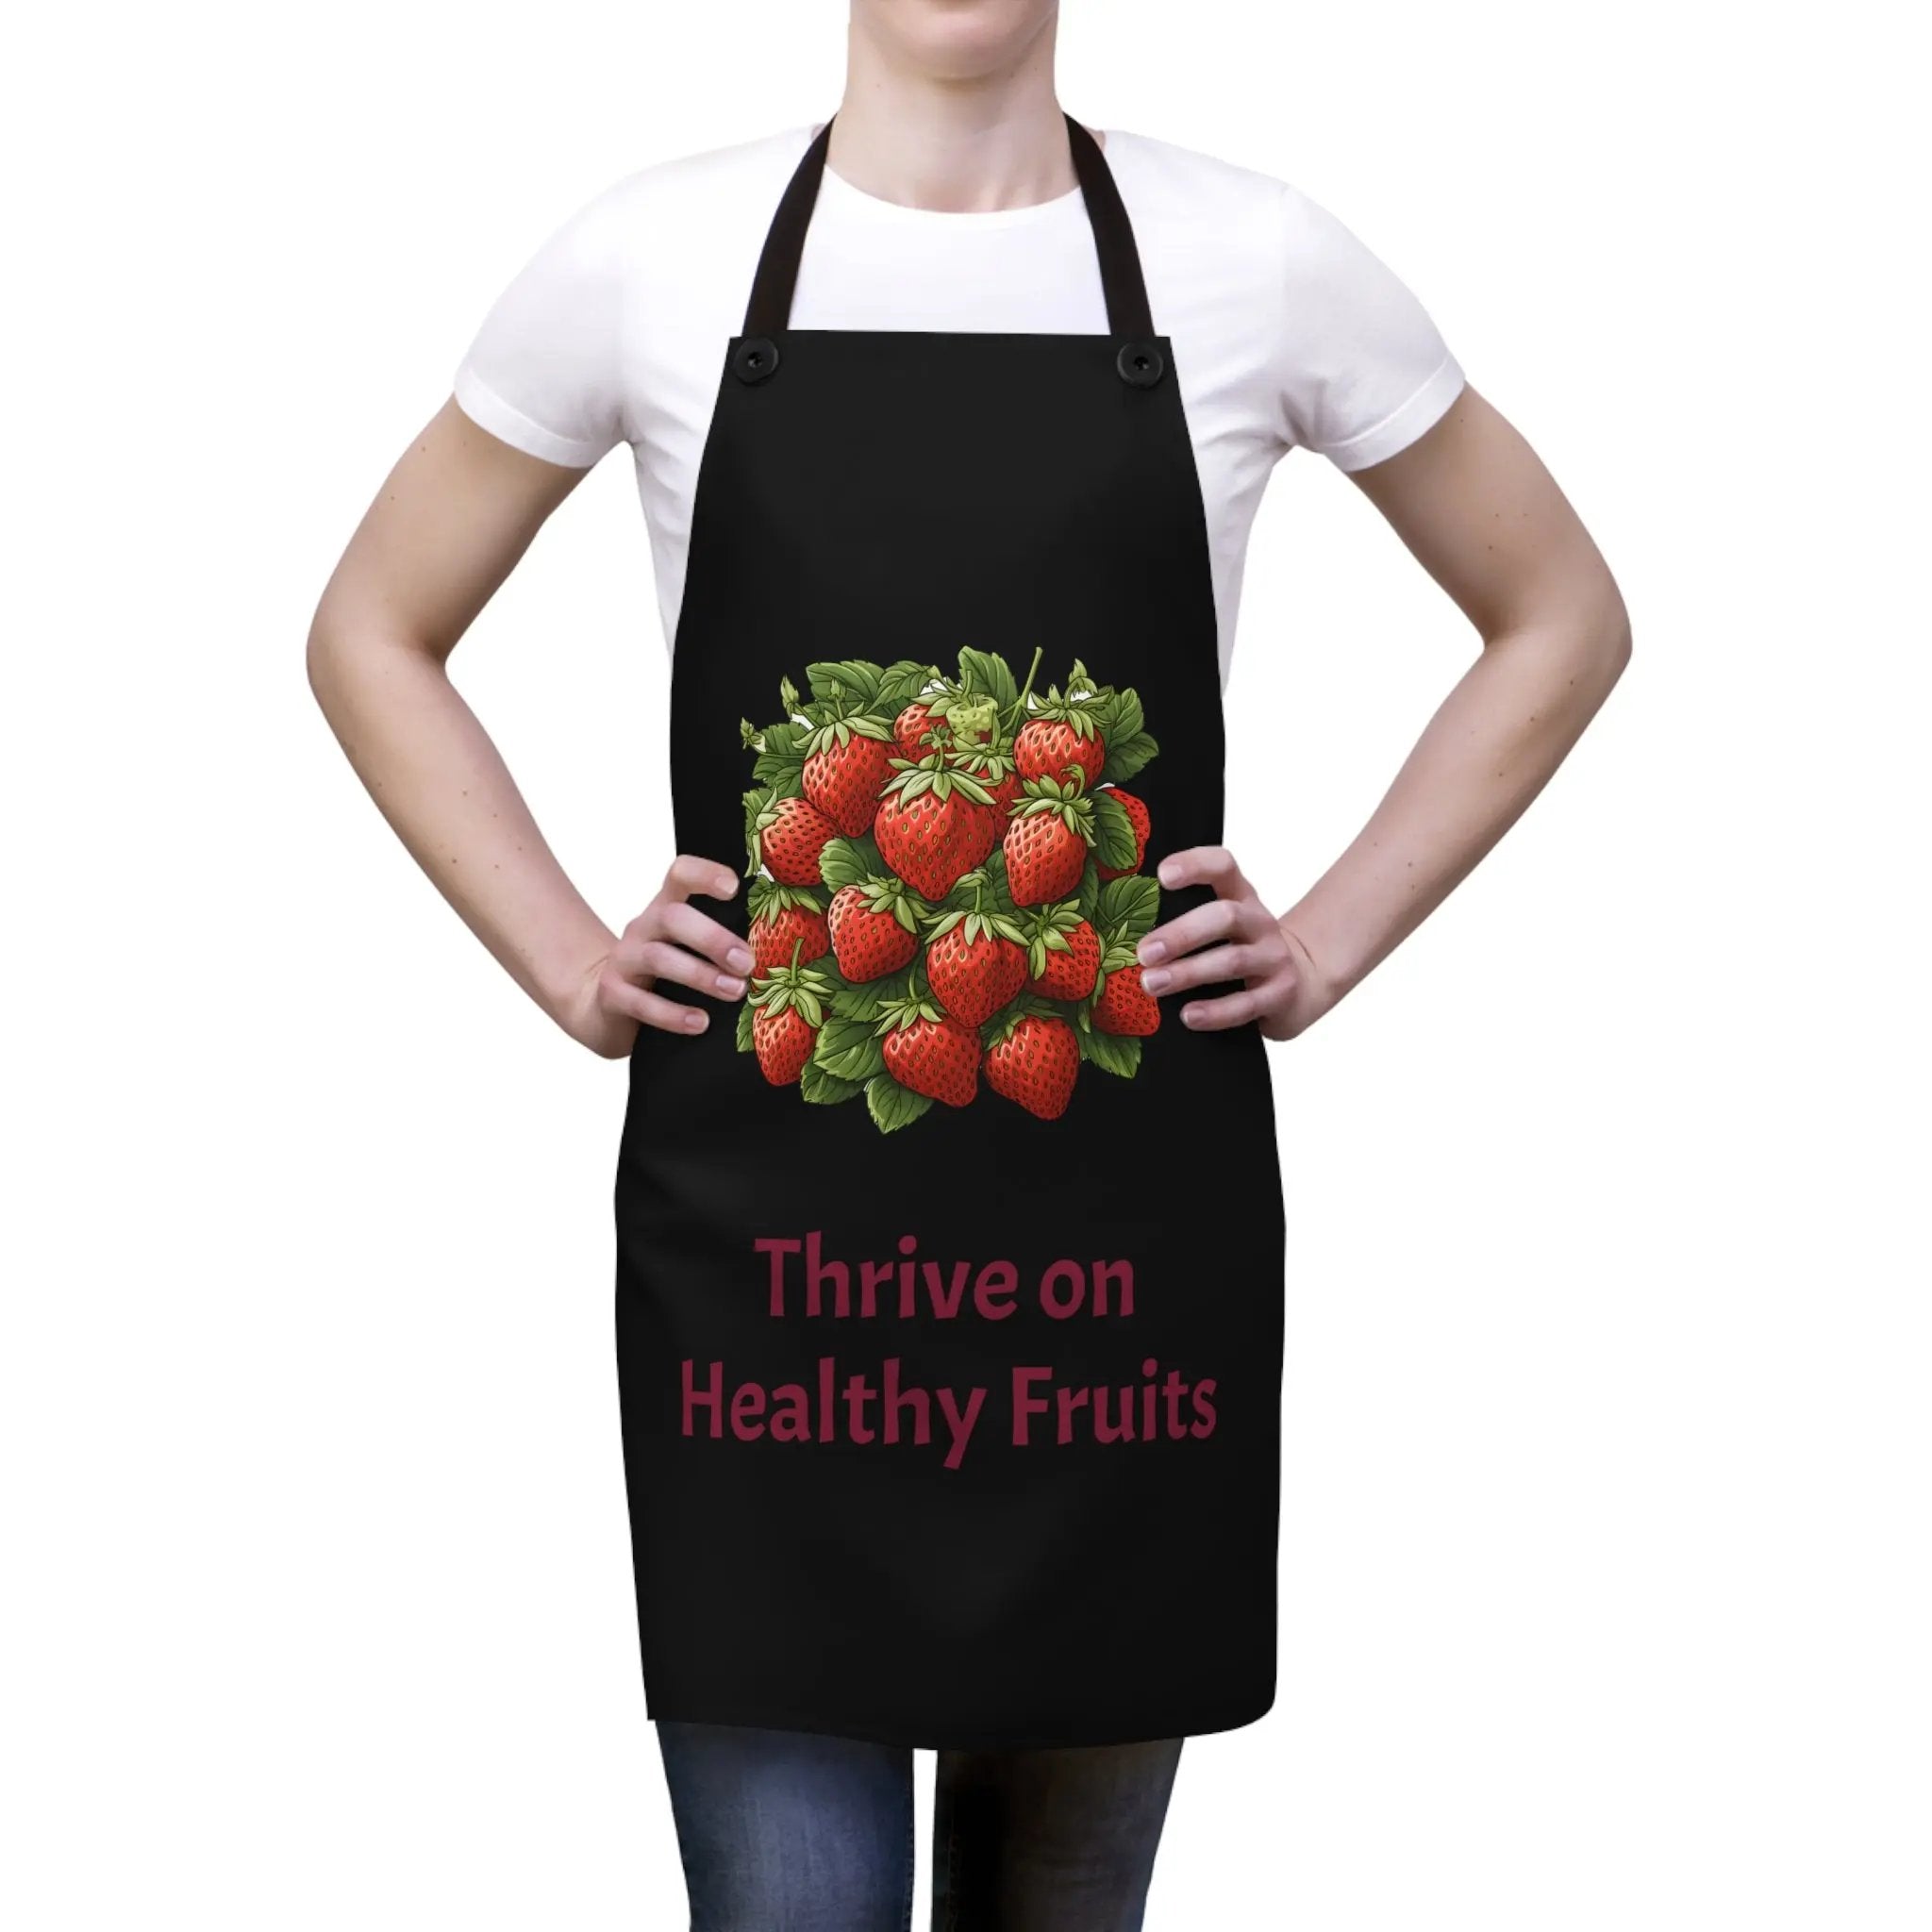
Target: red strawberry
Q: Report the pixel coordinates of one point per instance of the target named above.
(788, 1009)
(786, 835)
(846, 768)
(1124, 1005)
(1049, 747)
(874, 929)
(975, 961)
(1062, 953)
(783, 1042)
(783, 917)
(1060, 733)
(934, 826)
(1035, 1062)
(910, 729)
(1142, 823)
(931, 1053)
(1047, 840)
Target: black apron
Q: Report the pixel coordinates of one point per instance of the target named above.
(949, 1267)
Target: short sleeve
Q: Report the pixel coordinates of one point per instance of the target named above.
(1364, 369)
(544, 373)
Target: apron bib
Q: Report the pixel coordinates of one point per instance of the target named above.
(949, 1269)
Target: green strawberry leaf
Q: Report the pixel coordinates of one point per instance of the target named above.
(767, 898)
(856, 679)
(891, 1105)
(1110, 1053)
(1128, 908)
(1113, 831)
(746, 1014)
(826, 1090)
(1088, 897)
(900, 683)
(989, 676)
(850, 862)
(780, 761)
(755, 802)
(1118, 715)
(999, 893)
(848, 1049)
(862, 1003)
(1127, 757)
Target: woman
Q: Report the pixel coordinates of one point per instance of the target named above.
(941, 1429)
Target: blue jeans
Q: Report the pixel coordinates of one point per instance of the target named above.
(781, 1831)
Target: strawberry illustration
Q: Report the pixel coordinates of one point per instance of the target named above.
(1060, 733)
(929, 1051)
(783, 917)
(1047, 840)
(786, 836)
(935, 824)
(1062, 953)
(1034, 1060)
(788, 1009)
(976, 961)
(1124, 1005)
(1142, 823)
(874, 928)
(945, 878)
(847, 763)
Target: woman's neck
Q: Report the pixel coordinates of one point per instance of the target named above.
(959, 145)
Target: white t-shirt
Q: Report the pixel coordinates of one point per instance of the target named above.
(1286, 330)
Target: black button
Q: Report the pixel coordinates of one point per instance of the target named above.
(1141, 364)
(755, 359)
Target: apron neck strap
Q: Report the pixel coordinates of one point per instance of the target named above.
(1127, 312)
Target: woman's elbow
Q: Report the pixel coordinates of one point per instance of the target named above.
(329, 659)
(1613, 644)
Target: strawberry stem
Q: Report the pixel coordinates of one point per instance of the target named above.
(1019, 708)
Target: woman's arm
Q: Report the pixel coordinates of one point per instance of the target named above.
(1487, 520)
(456, 514)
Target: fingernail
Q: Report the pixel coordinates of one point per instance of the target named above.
(1156, 982)
(739, 959)
(695, 1022)
(1151, 950)
(1169, 874)
(730, 988)
(1190, 1016)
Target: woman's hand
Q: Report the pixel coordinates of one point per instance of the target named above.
(1235, 938)
(669, 940)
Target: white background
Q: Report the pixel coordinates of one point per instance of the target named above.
(1605, 1549)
